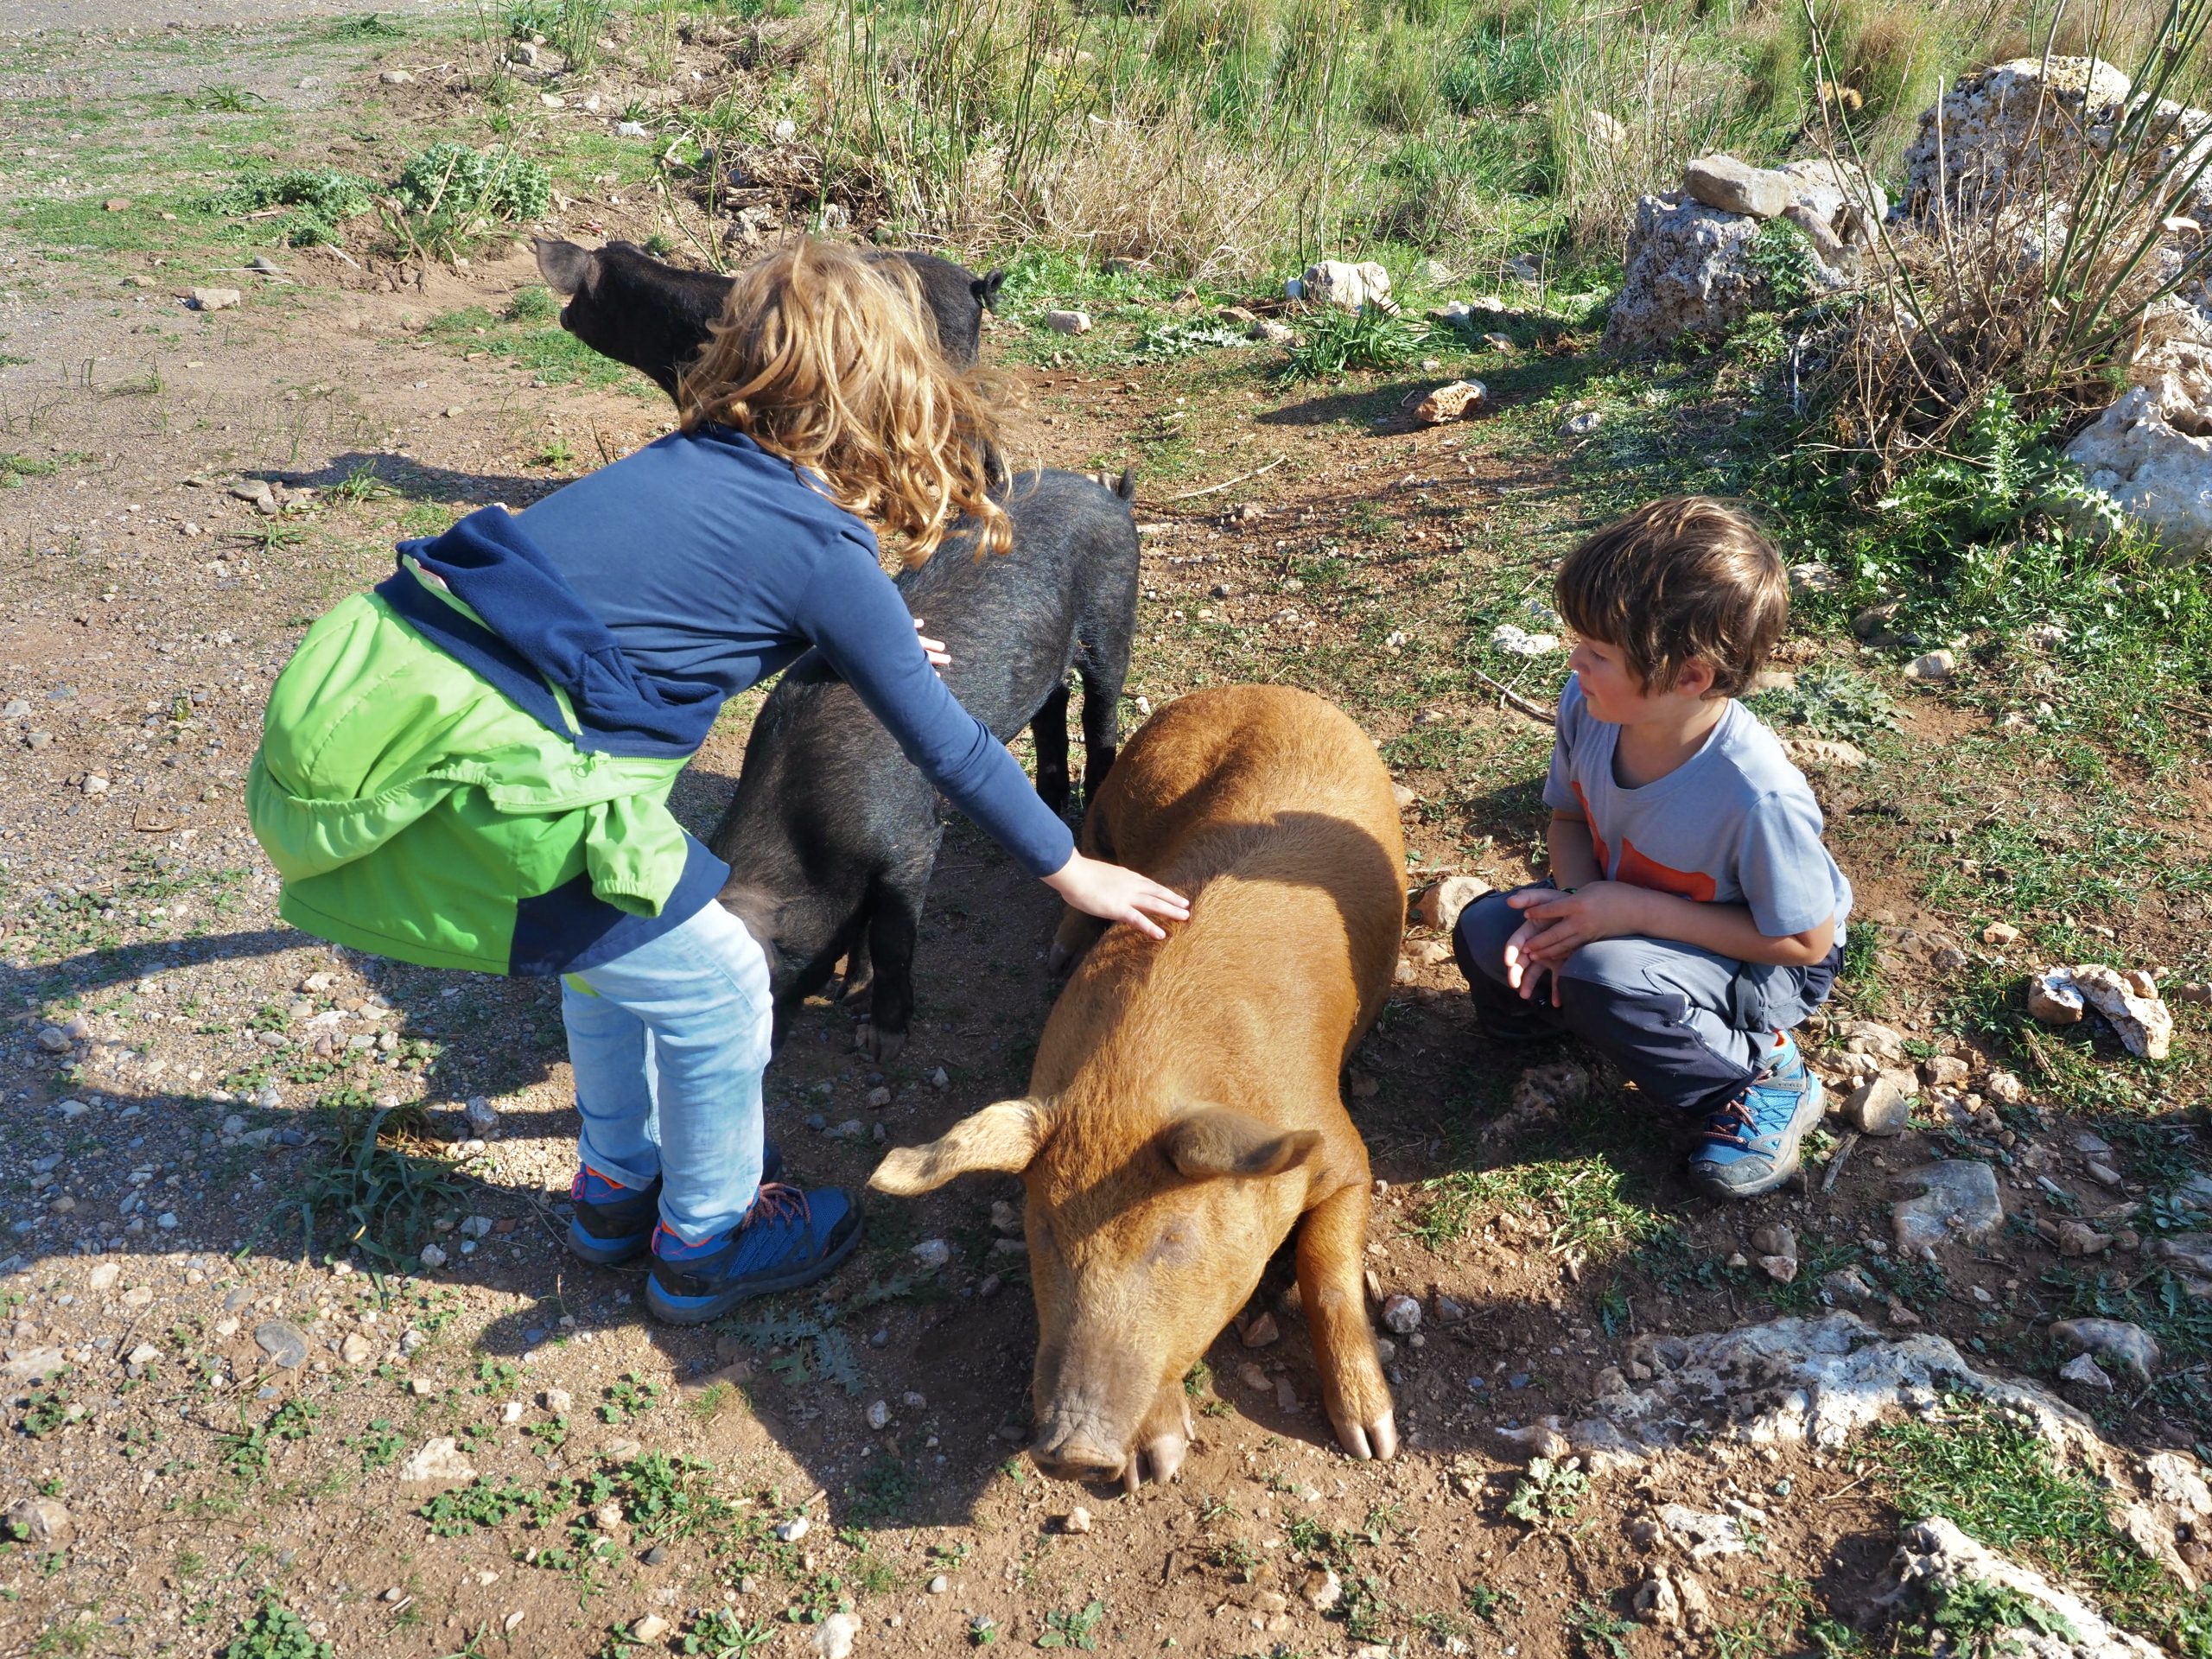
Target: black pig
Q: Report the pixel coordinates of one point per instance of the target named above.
(832, 834)
(654, 316)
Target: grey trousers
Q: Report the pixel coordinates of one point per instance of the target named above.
(1687, 1028)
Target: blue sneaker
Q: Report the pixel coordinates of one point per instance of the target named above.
(788, 1238)
(1750, 1146)
(614, 1222)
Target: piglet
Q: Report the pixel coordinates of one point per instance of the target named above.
(627, 305)
(1183, 1115)
(832, 834)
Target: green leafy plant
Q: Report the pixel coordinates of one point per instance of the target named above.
(1078, 1629)
(721, 1634)
(49, 1410)
(275, 1632)
(451, 194)
(1601, 1633)
(628, 1396)
(1828, 700)
(1332, 342)
(1549, 1491)
(1780, 254)
(320, 201)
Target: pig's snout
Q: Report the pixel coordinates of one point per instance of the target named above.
(1067, 1453)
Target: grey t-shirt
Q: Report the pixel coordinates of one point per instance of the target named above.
(1734, 824)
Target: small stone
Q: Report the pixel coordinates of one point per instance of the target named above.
(1936, 666)
(793, 1530)
(834, 1636)
(1958, 1196)
(879, 1097)
(115, 204)
(651, 1628)
(1782, 1269)
(939, 1584)
(2077, 1238)
(2130, 1345)
(1944, 1071)
(932, 1254)
(483, 1117)
(879, 1415)
(1322, 1589)
(53, 1040)
(1439, 906)
(396, 78)
(215, 299)
(1450, 401)
(1078, 1520)
(939, 1080)
(283, 1342)
(2004, 1087)
(104, 1277)
(1737, 186)
(1877, 1108)
(510, 1413)
(45, 1522)
(2084, 1370)
(1775, 1239)
(1402, 1314)
(557, 1401)
(433, 1257)
(1847, 1285)
(1261, 1331)
(1068, 322)
(1998, 935)
(356, 1349)
(1582, 423)
(439, 1460)
(1006, 1220)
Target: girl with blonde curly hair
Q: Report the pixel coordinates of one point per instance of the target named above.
(469, 767)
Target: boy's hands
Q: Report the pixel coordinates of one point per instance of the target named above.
(1556, 926)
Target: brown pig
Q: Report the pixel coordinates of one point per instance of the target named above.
(1182, 1113)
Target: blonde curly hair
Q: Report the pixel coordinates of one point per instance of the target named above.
(830, 359)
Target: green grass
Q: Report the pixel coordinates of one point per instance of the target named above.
(545, 349)
(1996, 1481)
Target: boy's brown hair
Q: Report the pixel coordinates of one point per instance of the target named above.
(1684, 579)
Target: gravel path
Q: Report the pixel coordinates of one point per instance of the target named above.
(34, 16)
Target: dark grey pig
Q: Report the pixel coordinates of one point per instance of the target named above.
(654, 316)
(832, 834)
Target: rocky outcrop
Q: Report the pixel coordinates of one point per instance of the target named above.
(1694, 265)
(2151, 452)
(1935, 1561)
(2008, 130)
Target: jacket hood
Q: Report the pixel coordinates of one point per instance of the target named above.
(530, 631)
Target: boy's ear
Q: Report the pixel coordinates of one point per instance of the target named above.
(1695, 677)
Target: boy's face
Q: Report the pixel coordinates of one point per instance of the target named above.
(1613, 694)
(1610, 687)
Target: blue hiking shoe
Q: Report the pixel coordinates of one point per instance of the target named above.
(788, 1238)
(614, 1222)
(1750, 1146)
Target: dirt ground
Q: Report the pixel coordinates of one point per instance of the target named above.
(217, 1374)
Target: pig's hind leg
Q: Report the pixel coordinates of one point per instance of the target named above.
(894, 923)
(1332, 1237)
(1049, 728)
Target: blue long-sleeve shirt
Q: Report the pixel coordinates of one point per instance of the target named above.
(711, 562)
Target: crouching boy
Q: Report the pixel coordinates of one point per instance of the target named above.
(1692, 917)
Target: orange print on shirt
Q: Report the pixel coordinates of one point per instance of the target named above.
(1640, 872)
(1596, 841)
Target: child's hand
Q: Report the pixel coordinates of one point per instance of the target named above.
(1522, 972)
(933, 649)
(1115, 894)
(1560, 923)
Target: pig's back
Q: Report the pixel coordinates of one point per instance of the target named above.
(1270, 809)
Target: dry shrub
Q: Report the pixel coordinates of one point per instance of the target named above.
(1171, 190)
(2043, 292)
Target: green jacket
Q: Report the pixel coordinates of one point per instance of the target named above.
(422, 798)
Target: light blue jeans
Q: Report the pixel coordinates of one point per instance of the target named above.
(668, 1044)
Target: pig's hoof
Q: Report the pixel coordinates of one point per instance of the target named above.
(877, 1043)
(1159, 1461)
(1378, 1439)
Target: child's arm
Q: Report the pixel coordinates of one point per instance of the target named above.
(1573, 854)
(1565, 921)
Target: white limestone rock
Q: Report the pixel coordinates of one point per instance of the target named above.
(2002, 131)
(1934, 1559)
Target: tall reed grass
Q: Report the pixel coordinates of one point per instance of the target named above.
(1206, 135)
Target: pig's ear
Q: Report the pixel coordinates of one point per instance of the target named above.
(986, 289)
(1004, 1136)
(1214, 1140)
(566, 268)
